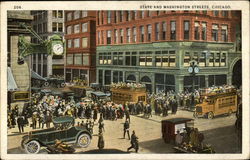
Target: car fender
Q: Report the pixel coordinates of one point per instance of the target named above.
(78, 134)
(42, 144)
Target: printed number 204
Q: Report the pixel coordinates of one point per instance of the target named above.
(17, 7)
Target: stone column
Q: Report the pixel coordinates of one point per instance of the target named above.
(229, 78)
(179, 83)
(206, 81)
(21, 73)
(123, 76)
(112, 72)
(103, 77)
(49, 65)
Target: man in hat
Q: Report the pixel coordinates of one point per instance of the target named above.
(20, 123)
(134, 142)
(126, 129)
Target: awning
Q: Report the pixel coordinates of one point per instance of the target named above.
(35, 75)
(100, 94)
(12, 86)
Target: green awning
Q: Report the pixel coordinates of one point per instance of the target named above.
(35, 75)
(12, 86)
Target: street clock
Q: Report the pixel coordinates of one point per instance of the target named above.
(56, 45)
(196, 69)
(57, 49)
(190, 69)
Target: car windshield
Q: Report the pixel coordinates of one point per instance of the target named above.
(62, 126)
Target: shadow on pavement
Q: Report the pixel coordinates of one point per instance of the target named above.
(104, 151)
(223, 139)
(156, 146)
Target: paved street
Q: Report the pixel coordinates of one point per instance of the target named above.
(219, 132)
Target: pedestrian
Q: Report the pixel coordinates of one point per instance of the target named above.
(127, 116)
(134, 142)
(20, 123)
(100, 144)
(95, 114)
(178, 138)
(126, 129)
(101, 127)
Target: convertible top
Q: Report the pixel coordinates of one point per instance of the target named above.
(64, 119)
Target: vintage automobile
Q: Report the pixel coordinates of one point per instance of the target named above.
(170, 127)
(63, 130)
(54, 81)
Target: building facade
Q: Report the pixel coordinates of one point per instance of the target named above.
(47, 23)
(81, 45)
(156, 47)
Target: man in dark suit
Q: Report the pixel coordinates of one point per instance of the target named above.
(20, 123)
(126, 129)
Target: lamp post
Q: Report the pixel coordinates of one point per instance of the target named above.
(193, 69)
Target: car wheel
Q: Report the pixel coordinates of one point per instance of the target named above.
(83, 140)
(195, 115)
(46, 84)
(63, 85)
(32, 147)
(210, 115)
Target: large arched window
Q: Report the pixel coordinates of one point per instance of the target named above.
(131, 78)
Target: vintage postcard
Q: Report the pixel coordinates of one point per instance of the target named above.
(125, 80)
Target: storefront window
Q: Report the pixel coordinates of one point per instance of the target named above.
(100, 78)
(107, 77)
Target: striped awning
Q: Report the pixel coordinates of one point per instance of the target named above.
(12, 86)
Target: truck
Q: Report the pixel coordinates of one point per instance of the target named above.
(214, 104)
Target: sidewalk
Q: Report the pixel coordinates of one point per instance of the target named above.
(158, 119)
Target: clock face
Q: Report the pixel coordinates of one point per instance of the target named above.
(190, 69)
(196, 69)
(58, 49)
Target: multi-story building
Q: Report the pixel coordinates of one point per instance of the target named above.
(47, 23)
(81, 45)
(155, 48)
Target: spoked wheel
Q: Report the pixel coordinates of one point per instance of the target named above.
(46, 84)
(63, 85)
(210, 115)
(195, 115)
(84, 140)
(32, 147)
